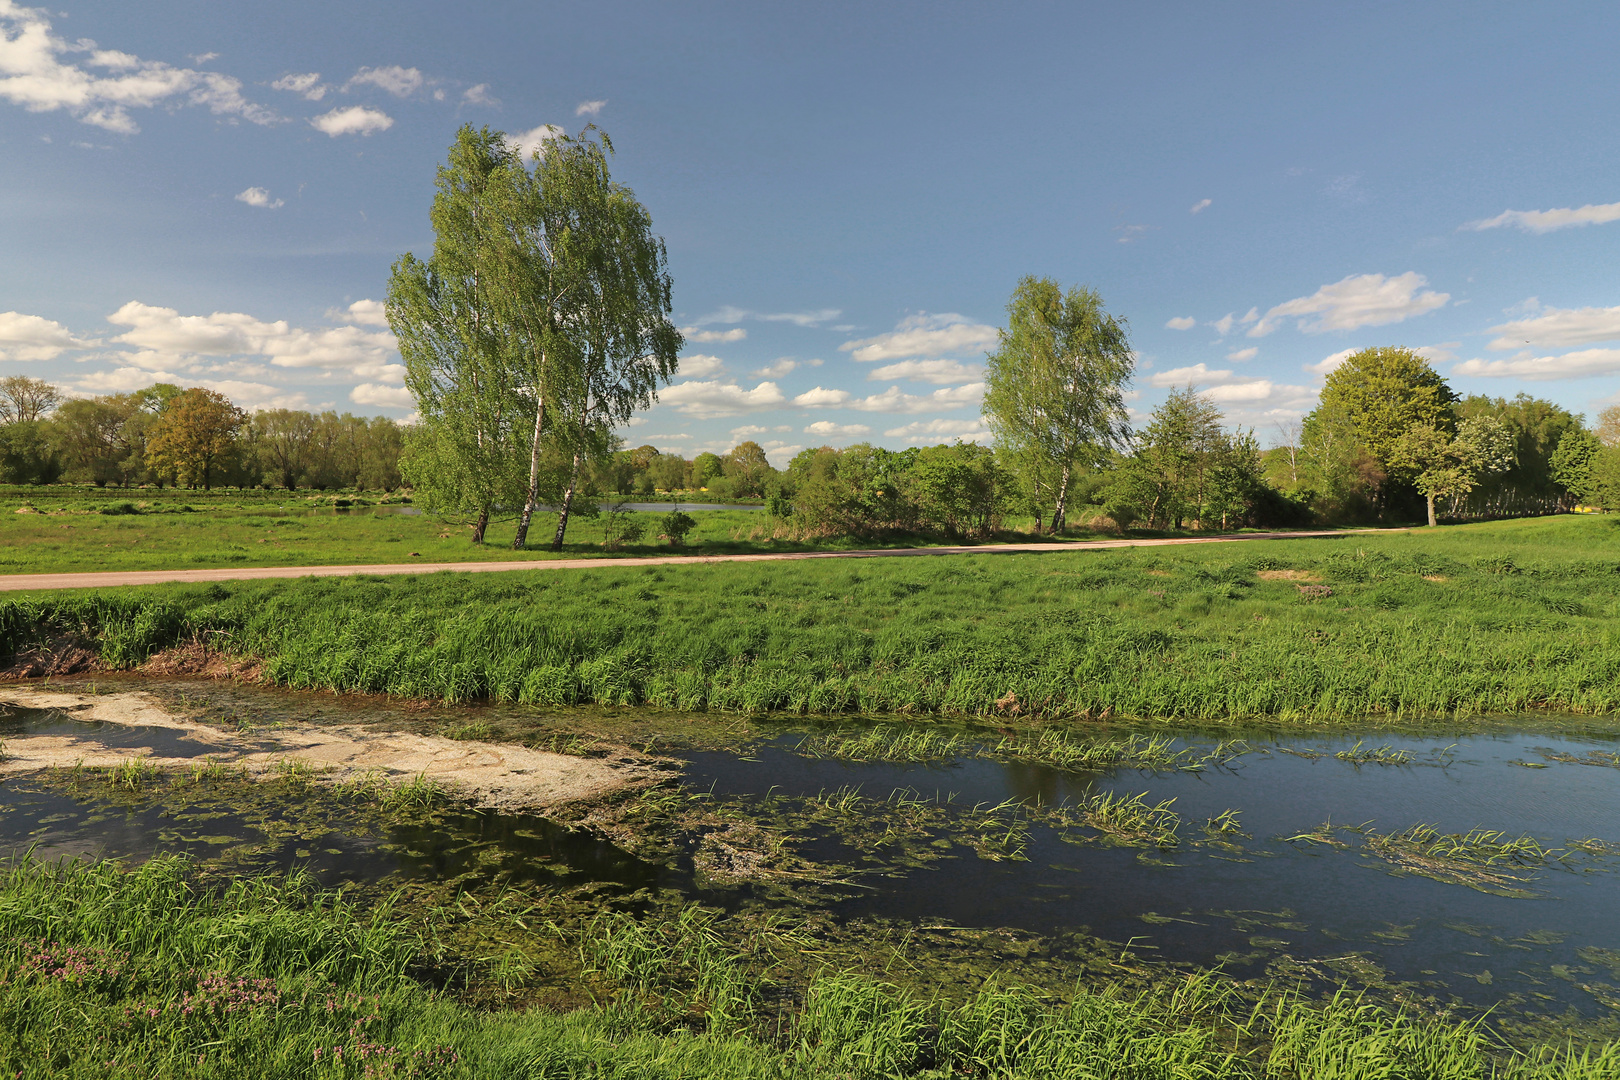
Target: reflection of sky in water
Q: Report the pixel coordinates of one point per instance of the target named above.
(1336, 902)
(1339, 902)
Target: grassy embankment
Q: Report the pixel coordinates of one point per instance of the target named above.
(107, 972)
(63, 530)
(1493, 618)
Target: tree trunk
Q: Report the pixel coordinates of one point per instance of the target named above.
(1432, 521)
(480, 525)
(522, 537)
(1062, 502)
(567, 504)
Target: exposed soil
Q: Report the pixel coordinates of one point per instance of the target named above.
(490, 774)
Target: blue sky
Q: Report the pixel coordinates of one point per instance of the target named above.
(211, 193)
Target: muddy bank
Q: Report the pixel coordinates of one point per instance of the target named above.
(494, 775)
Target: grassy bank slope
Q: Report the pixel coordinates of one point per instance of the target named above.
(108, 972)
(1488, 618)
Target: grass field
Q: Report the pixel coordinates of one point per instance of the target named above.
(1494, 618)
(67, 530)
(107, 971)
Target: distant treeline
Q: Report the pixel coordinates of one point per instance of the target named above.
(165, 435)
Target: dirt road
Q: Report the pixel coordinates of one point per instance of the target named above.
(111, 579)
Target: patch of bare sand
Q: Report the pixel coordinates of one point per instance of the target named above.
(490, 774)
(1289, 575)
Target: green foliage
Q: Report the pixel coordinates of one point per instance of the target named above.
(1053, 388)
(676, 526)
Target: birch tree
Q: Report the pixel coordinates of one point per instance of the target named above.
(1054, 388)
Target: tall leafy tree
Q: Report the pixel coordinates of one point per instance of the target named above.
(284, 438)
(461, 348)
(1450, 466)
(615, 314)
(194, 435)
(1054, 388)
(24, 400)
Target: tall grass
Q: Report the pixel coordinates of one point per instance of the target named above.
(1492, 618)
(107, 971)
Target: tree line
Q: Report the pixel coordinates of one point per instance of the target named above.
(195, 438)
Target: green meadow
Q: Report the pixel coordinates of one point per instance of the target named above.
(1492, 618)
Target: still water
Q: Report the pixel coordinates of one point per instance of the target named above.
(1260, 898)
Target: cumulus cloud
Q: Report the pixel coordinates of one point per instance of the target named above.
(30, 337)
(1197, 374)
(394, 397)
(1357, 301)
(699, 336)
(307, 85)
(1545, 221)
(1243, 354)
(929, 432)
(748, 431)
(164, 337)
(941, 372)
(1181, 322)
(479, 95)
(1557, 328)
(826, 428)
(1438, 354)
(894, 400)
(729, 314)
(775, 370)
(1225, 323)
(1200, 206)
(924, 335)
(531, 143)
(696, 365)
(1582, 364)
(260, 197)
(361, 313)
(590, 108)
(822, 397)
(706, 400)
(1322, 367)
(354, 120)
(400, 81)
(101, 89)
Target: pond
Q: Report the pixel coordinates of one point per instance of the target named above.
(1316, 872)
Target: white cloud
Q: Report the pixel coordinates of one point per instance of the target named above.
(362, 313)
(260, 197)
(254, 396)
(1200, 206)
(529, 143)
(101, 89)
(1181, 322)
(930, 432)
(589, 108)
(1556, 328)
(775, 370)
(1322, 367)
(1197, 374)
(730, 314)
(748, 430)
(122, 380)
(821, 397)
(169, 339)
(395, 397)
(1357, 301)
(1438, 354)
(1130, 234)
(780, 453)
(696, 365)
(30, 337)
(893, 400)
(1243, 354)
(826, 428)
(1575, 365)
(700, 336)
(706, 400)
(1544, 221)
(942, 372)
(203, 58)
(925, 335)
(354, 120)
(479, 95)
(307, 85)
(399, 81)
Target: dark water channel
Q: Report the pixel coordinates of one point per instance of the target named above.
(1256, 903)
